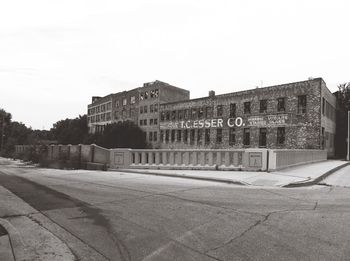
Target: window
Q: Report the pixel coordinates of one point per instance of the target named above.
(155, 136)
(247, 107)
(161, 136)
(145, 122)
(167, 116)
(192, 133)
(193, 113)
(152, 94)
(232, 110)
(302, 104)
(185, 136)
(117, 104)
(180, 115)
(155, 121)
(132, 100)
(162, 116)
(141, 109)
(145, 109)
(151, 122)
(179, 132)
(150, 136)
(199, 136)
(323, 105)
(209, 112)
(219, 110)
(281, 135)
(232, 136)
(207, 136)
(142, 96)
(219, 135)
(146, 95)
(186, 114)
(125, 101)
(200, 113)
(262, 137)
(167, 136)
(156, 93)
(322, 138)
(155, 107)
(263, 106)
(173, 115)
(151, 108)
(281, 106)
(172, 135)
(246, 137)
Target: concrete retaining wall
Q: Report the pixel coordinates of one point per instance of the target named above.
(279, 159)
(96, 157)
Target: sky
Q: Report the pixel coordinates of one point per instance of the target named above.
(55, 55)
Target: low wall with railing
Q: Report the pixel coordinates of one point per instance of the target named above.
(240, 159)
(279, 159)
(71, 156)
(96, 157)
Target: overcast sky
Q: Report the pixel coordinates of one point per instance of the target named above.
(55, 55)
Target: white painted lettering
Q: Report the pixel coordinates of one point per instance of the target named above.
(220, 121)
(201, 123)
(195, 124)
(238, 121)
(213, 123)
(207, 124)
(230, 122)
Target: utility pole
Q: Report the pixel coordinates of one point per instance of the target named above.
(348, 139)
(2, 132)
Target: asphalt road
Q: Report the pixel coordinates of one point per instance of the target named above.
(117, 216)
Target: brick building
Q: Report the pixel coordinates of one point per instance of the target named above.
(297, 115)
(139, 105)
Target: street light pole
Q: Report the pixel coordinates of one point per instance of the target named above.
(2, 132)
(348, 140)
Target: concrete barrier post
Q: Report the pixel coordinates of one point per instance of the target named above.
(157, 158)
(143, 158)
(120, 158)
(227, 158)
(194, 158)
(164, 158)
(210, 158)
(150, 158)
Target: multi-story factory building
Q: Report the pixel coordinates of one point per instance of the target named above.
(298, 115)
(139, 105)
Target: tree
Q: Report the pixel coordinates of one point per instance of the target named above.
(122, 135)
(70, 131)
(343, 99)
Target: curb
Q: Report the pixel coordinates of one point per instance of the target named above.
(318, 179)
(17, 245)
(227, 181)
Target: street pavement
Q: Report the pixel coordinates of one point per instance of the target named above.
(92, 215)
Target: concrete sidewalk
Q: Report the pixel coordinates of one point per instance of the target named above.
(22, 237)
(292, 177)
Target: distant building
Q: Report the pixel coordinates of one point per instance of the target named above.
(298, 115)
(139, 105)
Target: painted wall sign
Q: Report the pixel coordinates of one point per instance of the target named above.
(252, 121)
(268, 120)
(255, 159)
(205, 123)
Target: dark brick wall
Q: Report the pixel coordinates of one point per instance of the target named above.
(302, 129)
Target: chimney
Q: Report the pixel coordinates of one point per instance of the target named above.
(211, 93)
